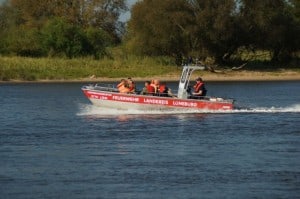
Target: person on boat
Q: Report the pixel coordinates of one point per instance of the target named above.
(148, 89)
(164, 91)
(155, 84)
(123, 86)
(199, 89)
(190, 60)
(131, 85)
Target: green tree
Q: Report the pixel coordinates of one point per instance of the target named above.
(24, 42)
(295, 7)
(184, 27)
(98, 41)
(60, 37)
(59, 26)
(102, 14)
(270, 25)
(160, 27)
(216, 27)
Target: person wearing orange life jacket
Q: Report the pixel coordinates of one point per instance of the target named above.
(155, 85)
(123, 86)
(164, 91)
(148, 89)
(199, 89)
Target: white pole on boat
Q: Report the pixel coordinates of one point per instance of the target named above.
(185, 80)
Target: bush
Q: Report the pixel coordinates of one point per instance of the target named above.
(24, 42)
(60, 37)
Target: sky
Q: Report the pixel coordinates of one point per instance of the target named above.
(125, 17)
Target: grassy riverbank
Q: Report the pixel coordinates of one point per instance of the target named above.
(34, 69)
(88, 69)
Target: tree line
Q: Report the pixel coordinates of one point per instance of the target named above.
(217, 29)
(60, 27)
(200, 28)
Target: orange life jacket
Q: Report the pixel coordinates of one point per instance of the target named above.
(150, 89)
(162, 89)
(198, 86)
(155, 88)
(132, 87)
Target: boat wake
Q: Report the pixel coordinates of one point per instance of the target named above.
(89, 110)
(289, 109)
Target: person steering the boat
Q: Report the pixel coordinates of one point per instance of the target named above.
(199, 89)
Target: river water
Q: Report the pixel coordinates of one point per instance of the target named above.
(55, 144)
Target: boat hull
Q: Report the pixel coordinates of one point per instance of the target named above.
(145, 102)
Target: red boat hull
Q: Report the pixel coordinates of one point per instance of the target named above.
(146, 102)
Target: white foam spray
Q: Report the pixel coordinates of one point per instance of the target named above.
(88, 110)
(289, 109)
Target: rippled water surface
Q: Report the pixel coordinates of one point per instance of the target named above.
(55, 144)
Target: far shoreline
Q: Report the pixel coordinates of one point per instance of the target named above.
(86, 70)
(232, 76)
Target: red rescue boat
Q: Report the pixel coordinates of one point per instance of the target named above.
(109, 97)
